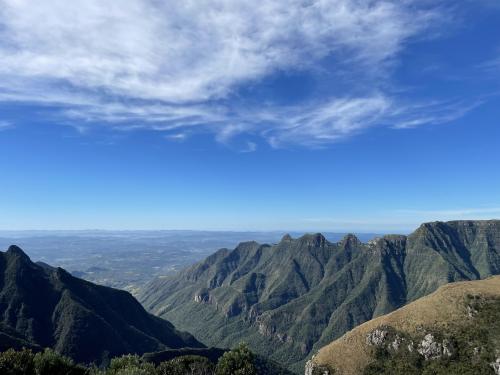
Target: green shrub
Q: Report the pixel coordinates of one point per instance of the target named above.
(192, 364)
(17, 362)
(49, 362)
(130, 364)
(239, 361)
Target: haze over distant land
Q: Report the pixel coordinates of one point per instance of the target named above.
(129, 259)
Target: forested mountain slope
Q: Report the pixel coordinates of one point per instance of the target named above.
(41, 306)
(289, 299)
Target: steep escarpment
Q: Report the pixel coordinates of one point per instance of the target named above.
(41, 306)
(456, 250)
(289, 299)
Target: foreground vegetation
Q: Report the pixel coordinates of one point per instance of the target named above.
(455, 330)
(240, 361)
(472, 346)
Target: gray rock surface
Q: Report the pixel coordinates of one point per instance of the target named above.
(430, 348)
(496, 366)
(377, 337)
(312, 368)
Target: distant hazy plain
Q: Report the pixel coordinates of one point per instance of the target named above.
(129, 259)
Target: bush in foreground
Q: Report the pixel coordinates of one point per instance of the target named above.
(240, 361)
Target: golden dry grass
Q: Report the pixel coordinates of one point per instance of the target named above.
(350, 354)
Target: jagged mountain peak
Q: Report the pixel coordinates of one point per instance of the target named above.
(313, 239)
(247, 245)
(16, 258)
(15, 250)
(350, 241)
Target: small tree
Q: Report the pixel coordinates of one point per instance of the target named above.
(17, 362)
(239, 361)
(130, 364)
(49, 362)
(190, 364)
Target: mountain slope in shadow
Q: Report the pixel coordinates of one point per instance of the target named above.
(42, 306)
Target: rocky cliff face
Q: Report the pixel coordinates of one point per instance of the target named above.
(291, 298)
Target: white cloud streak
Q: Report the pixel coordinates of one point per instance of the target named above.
(491, 66)
(171, 66)
(191, 50)
(4, 125)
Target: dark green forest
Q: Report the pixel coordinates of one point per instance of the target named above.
(239, 361)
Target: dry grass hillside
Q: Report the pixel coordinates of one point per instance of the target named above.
(351, 354)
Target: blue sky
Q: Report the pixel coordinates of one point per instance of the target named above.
(339, 115)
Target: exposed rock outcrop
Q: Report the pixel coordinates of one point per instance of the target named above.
(312, 368)
(496, 366)
(454, 330)
(377, 337)
(430, 348)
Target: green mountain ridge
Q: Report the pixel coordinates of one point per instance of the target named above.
(289, 299)
(46, 307)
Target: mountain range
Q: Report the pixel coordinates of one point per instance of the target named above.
(46, 307)
(289, 299)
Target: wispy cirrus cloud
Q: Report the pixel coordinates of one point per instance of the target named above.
(4, 125)
(432, 113)
(314, 124)
(492, 65)
(172, 66)
(192, 51)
